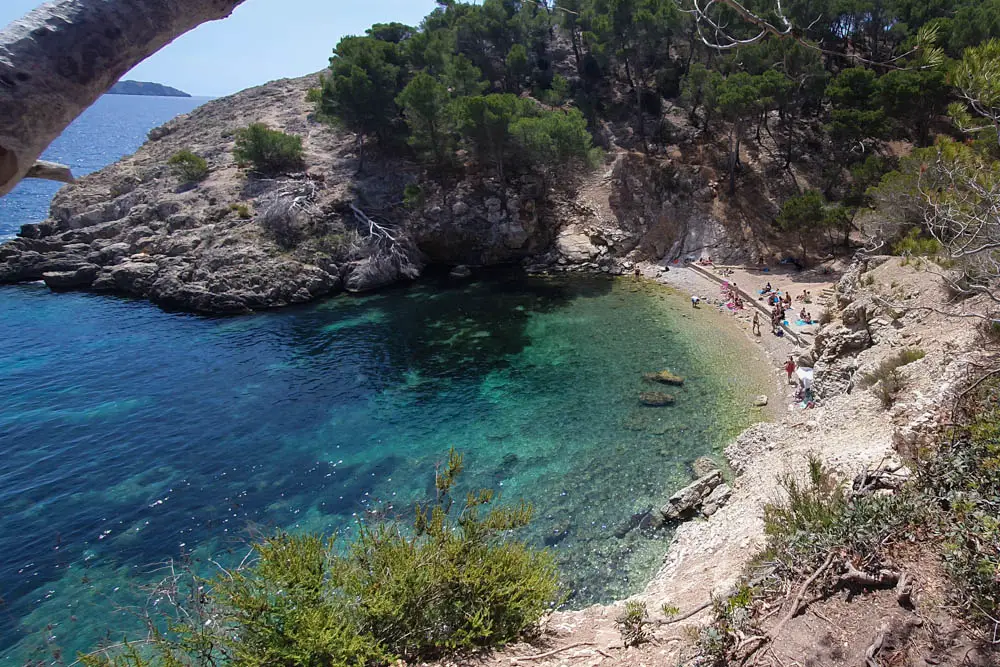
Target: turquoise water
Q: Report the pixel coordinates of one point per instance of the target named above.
(130, 435)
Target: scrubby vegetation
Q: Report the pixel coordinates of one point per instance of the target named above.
(453, 582)
(188, 166)
(242, 211)
(963, 478)
(633, 623)
(517, 87)
(268, 151)
(886, 378)
(830, 534)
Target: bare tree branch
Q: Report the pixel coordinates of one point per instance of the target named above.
(56, 61)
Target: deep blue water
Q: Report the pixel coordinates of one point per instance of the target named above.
(129, 435)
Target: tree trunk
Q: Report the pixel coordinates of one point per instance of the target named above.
(734, 150)
(56, 61)
(576, 48)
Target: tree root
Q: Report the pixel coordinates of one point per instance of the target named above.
(904, 591)
(798, 598)
(684, 617)
(873, 650)
(855, 577)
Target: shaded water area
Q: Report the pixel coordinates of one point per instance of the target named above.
(131, 435)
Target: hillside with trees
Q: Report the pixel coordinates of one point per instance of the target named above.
(823, 108)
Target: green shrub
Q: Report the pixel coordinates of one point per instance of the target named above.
(187, 166)
(413, 196)
(915, 244)
(963, 476)
(454, 582)
(241, 210)
(633, 624)
(886, 378)
(821, 516)
(268, 151)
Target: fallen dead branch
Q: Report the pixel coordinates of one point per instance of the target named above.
(547, 654)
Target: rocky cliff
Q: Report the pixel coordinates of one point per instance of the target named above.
(236, 242)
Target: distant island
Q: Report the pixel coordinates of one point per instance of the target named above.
(145, 88)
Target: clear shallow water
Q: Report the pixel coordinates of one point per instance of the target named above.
(129, 435)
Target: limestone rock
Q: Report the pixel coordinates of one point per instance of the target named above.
(719, 497)
(760, 401)
(686, 502)
(82, 277)
(576, 246)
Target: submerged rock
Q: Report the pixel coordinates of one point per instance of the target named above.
(664, 377)
(460, 272)
(655, 399)
(760, 401)
(559, 533)
(704, 465)
(633, 522)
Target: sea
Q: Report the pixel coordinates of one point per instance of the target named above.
(133, 440)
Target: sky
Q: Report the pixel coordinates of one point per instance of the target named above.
(263, 40)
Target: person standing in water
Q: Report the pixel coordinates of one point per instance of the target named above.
(789, 369)
(756, 323)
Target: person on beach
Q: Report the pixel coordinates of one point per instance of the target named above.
(803, 315)
(695, 300)
(789, 369)
(756, 323)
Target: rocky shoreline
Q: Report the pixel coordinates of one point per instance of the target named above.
(237, 242)
(849, 429)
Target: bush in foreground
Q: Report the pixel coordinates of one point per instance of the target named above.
(268, 151)
(188, 166)
(453, 583)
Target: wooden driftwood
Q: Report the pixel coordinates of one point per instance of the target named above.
(56, 61)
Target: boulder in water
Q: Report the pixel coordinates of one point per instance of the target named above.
(82, 277)
(760, 401)
(655, 399)
(636, 520)
(461, 272)
(664, 377)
